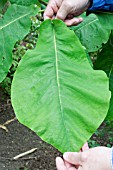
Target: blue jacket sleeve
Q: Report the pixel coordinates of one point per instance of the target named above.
(106, 5)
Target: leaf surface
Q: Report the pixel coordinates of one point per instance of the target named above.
(92, 33)
(13, 27)
(106, 19)
(55, 91)
(24, 2)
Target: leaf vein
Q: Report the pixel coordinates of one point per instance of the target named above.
(13, 21)
(58, 84)
(87, 24)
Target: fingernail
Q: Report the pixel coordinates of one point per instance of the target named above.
(46, 17)
(80, 19)
(65, 155)
(58, 160)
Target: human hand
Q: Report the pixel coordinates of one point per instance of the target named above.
(97, 158)
(85, 147)
(66, 10)
(66, 165)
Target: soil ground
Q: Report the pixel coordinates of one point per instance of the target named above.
(20, 139)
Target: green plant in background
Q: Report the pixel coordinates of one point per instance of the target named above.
(14, 26)
(20, 48)
(55, 90)
(103, 136)
(23, 169)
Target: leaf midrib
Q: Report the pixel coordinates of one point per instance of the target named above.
(57, 73)
(58, 84)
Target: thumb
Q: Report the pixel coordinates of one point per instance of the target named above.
(60, 164)
(75, 158)
(63, 11)
(85, 147)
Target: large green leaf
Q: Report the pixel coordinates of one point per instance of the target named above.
(13, 27)
(55, 91)
(24, 2)
(106, 19)
(92, 33)
(105, 62)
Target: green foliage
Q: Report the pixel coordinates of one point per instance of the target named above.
(95, 31)
(14, 26)
(2, 3)
(92, 32)
(92, 143)
(6, 85)
(55, 91)
(103, 136)
(57, 106)
(105, 62)
(20, 48)
(24, 2)
(106, 19)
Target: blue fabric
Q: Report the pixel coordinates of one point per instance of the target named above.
(106, 5)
